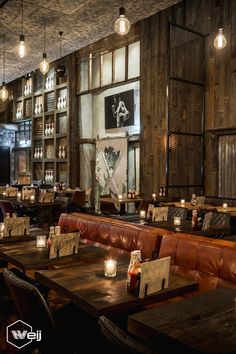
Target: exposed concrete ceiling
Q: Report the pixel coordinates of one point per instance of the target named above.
(82, 22)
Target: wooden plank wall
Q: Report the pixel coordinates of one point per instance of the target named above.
(203, 16)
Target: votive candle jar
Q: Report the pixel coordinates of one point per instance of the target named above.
(177, 220)
(41, 241)
(110, 268)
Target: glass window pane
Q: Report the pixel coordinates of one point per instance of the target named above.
(106, 69)
(85, 114)
(134, 60)
(119, 61)
(84, 77)
(96, 72)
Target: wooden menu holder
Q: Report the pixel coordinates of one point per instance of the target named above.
(154, 276)
(18, 226)
(11, 191)
(27, 193)
(47, 197)
(64, 245)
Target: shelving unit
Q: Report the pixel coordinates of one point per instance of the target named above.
(44, 101)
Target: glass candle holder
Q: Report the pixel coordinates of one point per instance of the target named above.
(225, 206)
(41, 241)
(182, 202)
(142, 214)
(18, 196)
(32, 198)
(177, 220)
(4, 193)
(7, 215)
(110, 268)
(154, 196)
(120, 196)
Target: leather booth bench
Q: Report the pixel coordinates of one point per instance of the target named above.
(116, 236)
(211, 262)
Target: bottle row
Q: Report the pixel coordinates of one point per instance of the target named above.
(19, 114)
(61, 102)
(49, 129)
(49, 83)
(38, 152)
(49, 176)
(27, 90)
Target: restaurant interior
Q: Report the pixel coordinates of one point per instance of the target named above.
(117, 180)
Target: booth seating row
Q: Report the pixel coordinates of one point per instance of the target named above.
(212, 262)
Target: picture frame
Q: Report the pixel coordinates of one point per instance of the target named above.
(119, 110)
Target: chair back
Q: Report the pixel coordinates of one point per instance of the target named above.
(177, 211)
(120, 340)
(31, 306)
(217, 220)
(78, 197)
(5, 207)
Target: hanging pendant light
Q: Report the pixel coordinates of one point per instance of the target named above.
(122, 24)
(22, 37)
(44, 65)
(60, 69)
(3, 91)
(220, 40)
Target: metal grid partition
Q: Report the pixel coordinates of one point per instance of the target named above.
(185, 126)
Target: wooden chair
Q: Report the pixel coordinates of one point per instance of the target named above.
(119, 340)
(77, 201)
(5, 207)
(32, 309)
(177, 211)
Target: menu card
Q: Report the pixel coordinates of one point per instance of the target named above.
(64, 245)
(18, 226)
(154, 276)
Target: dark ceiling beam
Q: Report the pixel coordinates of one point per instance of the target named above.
(3, 2)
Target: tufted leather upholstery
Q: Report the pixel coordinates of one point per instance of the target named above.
(211, 262)
(177, 211)
(118, 237)
(219, 220)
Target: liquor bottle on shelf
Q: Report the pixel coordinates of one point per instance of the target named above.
(52, 129)
(38, 153)
(161, 192)
(47, 83)
(36, 108)
(46, 129)
(59, 152)
(133, 273)
(35, 153)
(63, 152)
(51, 81)
(59, 102)
(40, 108)
(41, 153)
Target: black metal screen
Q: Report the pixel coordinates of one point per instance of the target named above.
(186, 112)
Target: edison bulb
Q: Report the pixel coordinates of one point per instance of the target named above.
(22, 46)
(44, 65)
(122, 24)
(220, 40)
(3, 92)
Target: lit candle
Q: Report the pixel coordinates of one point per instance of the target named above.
(154, 196)
(19, 196)
(225, 206)
(7, 215)
(110, 267)
(142, 214)
(182, 202)
(32, 198)
(177, 220)
(41, 241)
(4, 193)
(120, 196)
(55, 188)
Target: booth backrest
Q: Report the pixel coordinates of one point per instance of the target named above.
(115, 233)
(212, 262)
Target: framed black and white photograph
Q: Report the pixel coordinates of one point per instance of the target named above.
(119, 110)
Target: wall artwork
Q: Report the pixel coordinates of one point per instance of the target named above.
(119, 110)
(111, 166)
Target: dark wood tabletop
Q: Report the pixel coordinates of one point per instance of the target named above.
(26, 255)
(201, 324)
(86, 286)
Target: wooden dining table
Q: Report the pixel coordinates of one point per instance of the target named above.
(121, 202)
(204, 323)
(85, 285)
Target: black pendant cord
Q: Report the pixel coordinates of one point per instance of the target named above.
(60, 33)
(3, 67)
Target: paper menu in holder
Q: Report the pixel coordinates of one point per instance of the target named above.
(154, 276)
